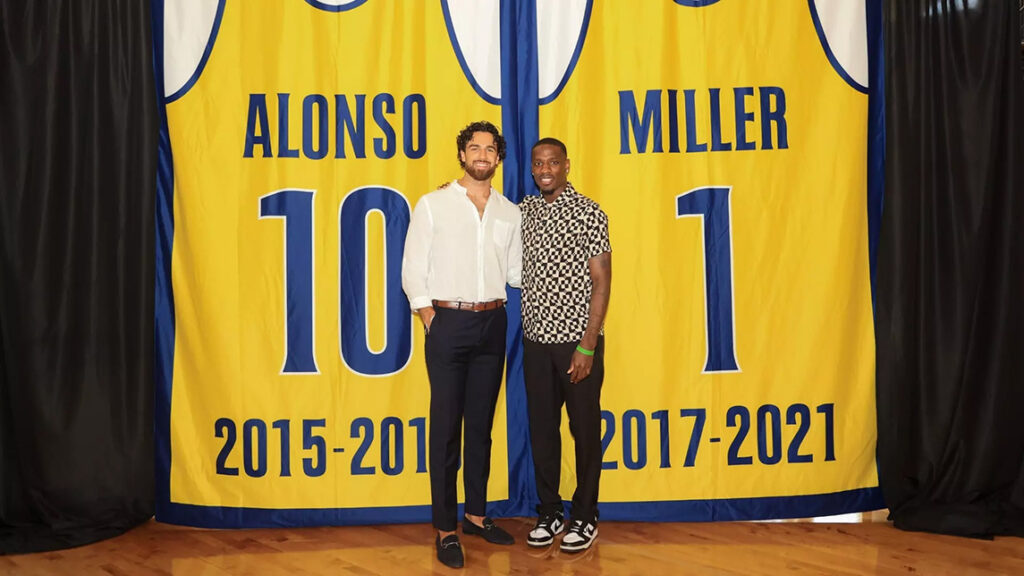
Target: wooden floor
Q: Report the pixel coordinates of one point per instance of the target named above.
(623, 548)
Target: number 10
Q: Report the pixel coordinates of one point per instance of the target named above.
(295, 207)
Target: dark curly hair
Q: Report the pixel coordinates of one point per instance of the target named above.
(467, 134)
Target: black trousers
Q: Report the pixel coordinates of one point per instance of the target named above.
(465, 354)
(547, 389)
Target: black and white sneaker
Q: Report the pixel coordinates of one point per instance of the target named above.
(548, 526)
(580, 536)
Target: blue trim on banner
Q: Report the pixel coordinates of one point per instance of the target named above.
(828, 51)
(335, 8)
(462, 59)
(519, 118)
(723, 510)
(519, 87)
(164, 297)
(733, 509)
(695, 3)
(232, 517)
(202, 61)
(876, 131)
(575, 57)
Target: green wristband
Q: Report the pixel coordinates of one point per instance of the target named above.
(584, 351)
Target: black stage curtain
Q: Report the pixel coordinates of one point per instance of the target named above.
(950, 300)
(77, 187)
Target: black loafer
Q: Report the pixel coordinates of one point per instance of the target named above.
(490, 532)
(449, 551)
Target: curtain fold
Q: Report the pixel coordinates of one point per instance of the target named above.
(77, 186)
(950, 302)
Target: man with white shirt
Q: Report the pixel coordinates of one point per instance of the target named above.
(462, 247)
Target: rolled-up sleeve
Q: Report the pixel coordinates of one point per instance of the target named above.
(597, 240)
(416, 259)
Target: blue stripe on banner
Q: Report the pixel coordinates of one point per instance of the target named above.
(876, 131)
(335, 7)
(519, 88)
(164, 297)
(519, 119)
(696, 3)
(231, 517)
(726, 510)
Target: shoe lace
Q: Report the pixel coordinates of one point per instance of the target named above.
(547, 520)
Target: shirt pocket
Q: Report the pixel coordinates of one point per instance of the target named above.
(502, 231)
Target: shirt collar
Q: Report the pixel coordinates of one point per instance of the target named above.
(460, 191)
(565, 196)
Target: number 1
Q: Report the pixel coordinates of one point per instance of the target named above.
(711, 205)
(295, 207)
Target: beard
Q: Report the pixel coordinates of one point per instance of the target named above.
(549, 190)
(480, 174)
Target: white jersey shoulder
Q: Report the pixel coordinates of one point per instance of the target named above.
(189, 31)
(474, 27)
(842, 29)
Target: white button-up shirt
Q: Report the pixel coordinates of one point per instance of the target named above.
(451, 253)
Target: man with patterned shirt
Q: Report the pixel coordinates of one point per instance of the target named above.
(566, 285)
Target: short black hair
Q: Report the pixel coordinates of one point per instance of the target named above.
(467, 134)
(553, 142)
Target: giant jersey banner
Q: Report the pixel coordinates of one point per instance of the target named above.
(732, 144)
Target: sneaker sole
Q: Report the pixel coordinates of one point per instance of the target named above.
(571, 549)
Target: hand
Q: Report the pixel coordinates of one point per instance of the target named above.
(580, 368)
(427, 314)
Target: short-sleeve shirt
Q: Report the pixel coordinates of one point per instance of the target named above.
(558, 240)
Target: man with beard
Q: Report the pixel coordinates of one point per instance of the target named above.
(462, 247)
(567, 273)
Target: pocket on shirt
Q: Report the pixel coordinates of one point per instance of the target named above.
(502, 230)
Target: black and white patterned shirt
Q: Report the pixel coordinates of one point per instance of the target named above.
(558, 240)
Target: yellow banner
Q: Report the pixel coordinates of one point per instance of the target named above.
(727, 141)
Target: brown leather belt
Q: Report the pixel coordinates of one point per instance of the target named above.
(471, 306)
